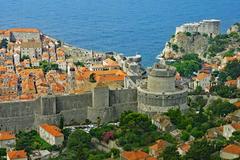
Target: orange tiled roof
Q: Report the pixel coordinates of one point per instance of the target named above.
(232, 148)
(231, 82)
(228, 59)
(134, 155)
(3, 69)
(17, 154)
(26, 96)
(6, 135)
(185, 147)
(201, 76)
(33, 30)
(236, 126)
(53, 130)
(151, 158)
(237, 104)
(110, 63)
(159, 145)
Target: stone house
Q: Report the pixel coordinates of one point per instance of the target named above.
(16, 59)
(202, 80)
(40, 155)
(62, 64)
(229, 152)
(31, 47)
(35, 62)
(183, 148)
(235, 116)
(156, 149)
(135, 155)
(17, 155)
(238, 82)
(26, 63)
(7, 139)
(10, 66)
(162, 122)
(51, 134)
(110, 64)
(229, 129)
(45, 56)
(24, 34)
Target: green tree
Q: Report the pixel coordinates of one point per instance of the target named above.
(3, 152)
(200, 150)
(170, 153)
(47, 66)
(92, 77)
(78, 63)
(24, 57)
(4, 43)
(189, 64)
(221, 108)
(185, 136)
(79, 142)
(175, 47)
(61, 123)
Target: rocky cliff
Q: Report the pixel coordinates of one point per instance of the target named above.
(202, 44)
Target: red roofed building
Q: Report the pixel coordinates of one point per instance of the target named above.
(184, 148)
(135, 155)
(203, 80)
(156, 149)
(7, 139)
(51, 134)
(17, 155)
(231, 151)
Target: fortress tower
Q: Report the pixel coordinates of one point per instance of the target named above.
(210, 27)
(160, 92)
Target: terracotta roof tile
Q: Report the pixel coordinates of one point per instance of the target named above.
(231, 82)
(53, 130)
(232, 148)
(237, 104)
(17, 154)
(159, 145)
(236, 126)
(134, 155)
(32, 30)
(110, 63)
(201, 76)
(6, 135)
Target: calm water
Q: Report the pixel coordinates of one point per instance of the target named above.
(126, 26)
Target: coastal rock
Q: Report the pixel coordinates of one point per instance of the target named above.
(183, 43)
(234, 28)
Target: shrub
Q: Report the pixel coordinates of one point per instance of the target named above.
(175, 47)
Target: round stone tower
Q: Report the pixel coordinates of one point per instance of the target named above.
(160, 93)
(161, 78)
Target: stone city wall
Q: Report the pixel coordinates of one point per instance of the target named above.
(105, 103)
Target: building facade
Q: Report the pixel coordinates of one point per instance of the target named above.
(210, 27)
(51, 134)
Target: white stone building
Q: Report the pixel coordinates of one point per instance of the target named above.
(24, 34)
(231, 151)
(7, 139)
(16, 58)
(31, 47)
(51, 134)
(202, 80)
(229, 129)
(210, 27)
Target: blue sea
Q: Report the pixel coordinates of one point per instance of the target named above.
(126, 26)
